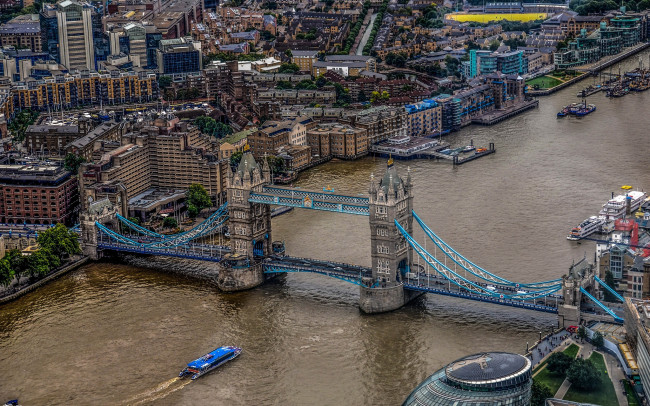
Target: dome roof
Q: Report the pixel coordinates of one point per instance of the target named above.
(479, 368)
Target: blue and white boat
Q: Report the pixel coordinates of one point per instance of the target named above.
(210, 361)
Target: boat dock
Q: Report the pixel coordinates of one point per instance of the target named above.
(458, 159)
(499, 115)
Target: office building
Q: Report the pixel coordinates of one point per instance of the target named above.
(180, 55)
(75, 28)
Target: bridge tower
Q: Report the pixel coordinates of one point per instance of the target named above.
(390, 199)
(100, 211)
(249, 226)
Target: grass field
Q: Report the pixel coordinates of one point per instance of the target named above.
(551, 380)
(544, 82)
(486, 18)
(631, 399)
(572, 350)
(605, 395)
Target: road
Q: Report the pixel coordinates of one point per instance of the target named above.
(366, 34)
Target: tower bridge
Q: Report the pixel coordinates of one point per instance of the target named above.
(401, 268)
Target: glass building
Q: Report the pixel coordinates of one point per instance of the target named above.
(179, 55)
(495, 378)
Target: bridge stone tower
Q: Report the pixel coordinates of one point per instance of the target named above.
(101, 211)
(390, 199)
(249, 226)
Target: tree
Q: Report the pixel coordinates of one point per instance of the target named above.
(289, 67)
(192, 210)
(60, 241)
(283, 84)
(275, 163)
(198, 197)
(235, 158)
(583, 374)
(170, 222)
(221, 130)
(134, 220)
(494, 45)
(582, 332)
(598, 340)
(6, 273)
(609, 281)
(539, 394)
(362, 98)
(164, 81)
(72, 162)
(16, 262)
(558, 363)
(37, 263)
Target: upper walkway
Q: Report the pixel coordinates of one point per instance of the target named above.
(294, 197)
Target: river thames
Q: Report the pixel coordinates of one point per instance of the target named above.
(111, 334)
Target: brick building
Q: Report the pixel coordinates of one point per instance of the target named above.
(31, 194)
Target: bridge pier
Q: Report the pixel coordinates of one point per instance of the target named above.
(233, 278)
(381, 300)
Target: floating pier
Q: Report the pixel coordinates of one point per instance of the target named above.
(500, 115)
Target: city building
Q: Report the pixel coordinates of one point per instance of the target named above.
(304, 59)
(381, 122)
(487, 378)
(75, 34)
(483, 62)
(338, 140)
(344, 65)
(273, 136)
(424, 118)
(33, 194)
(131, 39)
(181, 55)
(22, 32)
(637, 318)
(160, 154)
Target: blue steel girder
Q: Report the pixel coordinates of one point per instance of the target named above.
(465, 283)
(355, 278)
(601, 305)
(301, 194)
(314, 204)
(174, 252)
(485, 299)
(609, 288)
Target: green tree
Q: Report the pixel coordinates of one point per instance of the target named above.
(494, 45)
(72, 162)
(276, 164)
(170, 222)
(37, 264)
(583, 374)
(283, 84)
(135, 220)
(221, 130)
(59, 240)
(235, 158)
(582, 332)
(598, 340)
(6, 273)
(361, 98)
(306, 84)
(558, 363)
(164, 81)
(198, 197)
(539, 394)
(609, 281)
(289, 67)
(16, 262)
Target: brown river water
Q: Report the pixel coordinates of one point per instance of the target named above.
(110, 334)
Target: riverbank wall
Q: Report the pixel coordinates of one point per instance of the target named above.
(67, 268)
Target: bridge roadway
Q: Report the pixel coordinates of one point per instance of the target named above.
(293, 197)
(202, 252)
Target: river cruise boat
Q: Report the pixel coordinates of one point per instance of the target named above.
(210, 361)
(587, 227)
(615, 208)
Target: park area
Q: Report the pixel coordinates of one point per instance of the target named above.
(604, 395)
(551, 380)
(552, 79)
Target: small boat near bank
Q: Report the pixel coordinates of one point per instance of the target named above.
(210, 361)
(586, 228)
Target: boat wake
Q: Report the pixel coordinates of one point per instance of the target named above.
(164, 389)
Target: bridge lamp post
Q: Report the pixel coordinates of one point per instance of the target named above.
(540, 336)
